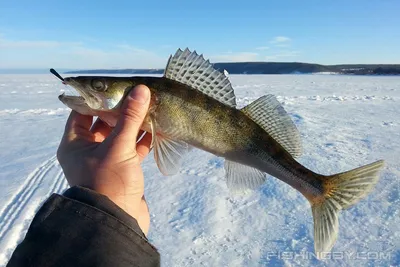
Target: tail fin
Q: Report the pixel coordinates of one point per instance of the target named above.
(341, 191)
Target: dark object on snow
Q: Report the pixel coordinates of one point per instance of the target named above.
(83, 228)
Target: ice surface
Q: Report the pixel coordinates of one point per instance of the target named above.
(345, 122)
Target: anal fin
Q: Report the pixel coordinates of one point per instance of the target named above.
(241, 178)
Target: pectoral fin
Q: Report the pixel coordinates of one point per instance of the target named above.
(241, 178)
(168, 153)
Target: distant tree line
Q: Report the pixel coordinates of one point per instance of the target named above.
(271, 68)
(375, 71)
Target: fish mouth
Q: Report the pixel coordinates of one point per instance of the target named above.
(85, 96)
(72, 98)
(77, 103)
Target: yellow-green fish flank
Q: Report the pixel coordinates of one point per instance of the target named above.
(194, 105)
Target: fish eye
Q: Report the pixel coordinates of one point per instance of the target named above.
(98, 85)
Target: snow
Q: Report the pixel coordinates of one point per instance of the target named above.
(325, 73)
(345, 122)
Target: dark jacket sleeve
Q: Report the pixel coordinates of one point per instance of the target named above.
(83, 228)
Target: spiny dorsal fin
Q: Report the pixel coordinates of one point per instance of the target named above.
(193, 70)
(268, 113)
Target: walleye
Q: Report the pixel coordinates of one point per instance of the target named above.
(194, 104)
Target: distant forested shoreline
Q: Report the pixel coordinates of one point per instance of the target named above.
(271, 68)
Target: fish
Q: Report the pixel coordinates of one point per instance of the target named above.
(194, 105)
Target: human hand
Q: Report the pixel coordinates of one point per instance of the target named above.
(108, 160)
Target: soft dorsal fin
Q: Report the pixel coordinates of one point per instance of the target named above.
(268, 113)
(193, 70)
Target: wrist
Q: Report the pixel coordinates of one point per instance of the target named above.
(104, 203)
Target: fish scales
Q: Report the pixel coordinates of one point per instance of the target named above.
(189, 115)
(194, 104)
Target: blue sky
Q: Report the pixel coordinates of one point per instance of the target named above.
(142, 34)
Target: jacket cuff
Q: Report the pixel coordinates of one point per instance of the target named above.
(103, 203)
(83, 228)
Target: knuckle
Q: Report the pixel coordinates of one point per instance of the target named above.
(91, 162)
(133, 114)
(135, 158)
(60, 154)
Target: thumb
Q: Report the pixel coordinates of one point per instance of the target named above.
(133, 112)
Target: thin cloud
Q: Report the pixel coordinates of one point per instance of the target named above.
(75, 55)
(6, 43)
(235, 57)
(121, 56)
(283, 55)
(131, 48)
(280, 40)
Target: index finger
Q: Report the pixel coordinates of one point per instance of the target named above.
(100, 130)
(76, 132)
(78, 126)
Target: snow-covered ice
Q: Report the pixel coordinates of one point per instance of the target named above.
(345, 122)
